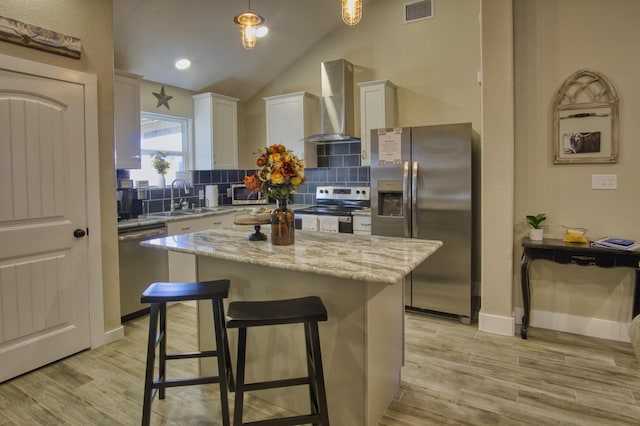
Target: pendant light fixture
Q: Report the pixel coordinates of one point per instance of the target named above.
(249, 23)
(351, 11)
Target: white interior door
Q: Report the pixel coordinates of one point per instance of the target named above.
(44, 285)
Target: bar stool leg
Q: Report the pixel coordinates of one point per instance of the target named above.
(312, 329)
(151, 356)
(162, 361)
(227, 352)
(222, 357)
(313, 394)
(239, 394)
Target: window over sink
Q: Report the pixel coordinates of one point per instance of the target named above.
(166, 133)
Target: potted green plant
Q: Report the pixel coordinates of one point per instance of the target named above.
(161, 165)
(536, 232)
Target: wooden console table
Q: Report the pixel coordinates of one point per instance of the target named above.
(582, 254)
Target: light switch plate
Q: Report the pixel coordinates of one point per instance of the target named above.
(604, 181)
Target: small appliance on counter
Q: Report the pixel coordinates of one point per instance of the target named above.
(129, 206)
(241, 195)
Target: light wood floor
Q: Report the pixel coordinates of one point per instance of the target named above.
(453, 375)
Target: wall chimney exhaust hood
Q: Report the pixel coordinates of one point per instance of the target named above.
(336, 103)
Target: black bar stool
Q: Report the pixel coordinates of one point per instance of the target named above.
(158, 295)
(306, 310)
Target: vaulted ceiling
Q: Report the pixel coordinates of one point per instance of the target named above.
(150, 35)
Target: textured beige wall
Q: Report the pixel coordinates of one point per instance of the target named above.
(553, 39)
(91, 21)
(181, 103)
(433, 62)
(497, 166)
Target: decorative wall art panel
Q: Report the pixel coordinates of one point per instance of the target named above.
(39, 38)
(585, 120)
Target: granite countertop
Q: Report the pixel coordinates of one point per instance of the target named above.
(363, 212)
(152, 219)
(155, 218)
(378, 259)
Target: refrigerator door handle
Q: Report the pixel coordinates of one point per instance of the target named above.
(405, 199)
(414, 200)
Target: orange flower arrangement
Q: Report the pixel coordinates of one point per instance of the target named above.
(280, 173)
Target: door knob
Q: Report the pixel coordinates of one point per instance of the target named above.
(79, 233)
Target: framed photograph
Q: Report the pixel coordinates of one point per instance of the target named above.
(584, 136)
(585, 120)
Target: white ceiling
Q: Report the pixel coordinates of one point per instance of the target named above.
(151, 34)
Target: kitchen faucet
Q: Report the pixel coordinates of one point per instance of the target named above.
(184, 186)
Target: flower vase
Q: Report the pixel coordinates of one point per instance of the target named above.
(162, 184)
(282, 224)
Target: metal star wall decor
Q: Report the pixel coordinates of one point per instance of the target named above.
(163, 99)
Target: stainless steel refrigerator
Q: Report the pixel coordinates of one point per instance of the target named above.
(421, 187)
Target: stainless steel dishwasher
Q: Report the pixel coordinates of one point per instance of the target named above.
(139, 267)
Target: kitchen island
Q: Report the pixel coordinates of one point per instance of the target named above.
(360, 280)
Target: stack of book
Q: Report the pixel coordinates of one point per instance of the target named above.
(616, 243)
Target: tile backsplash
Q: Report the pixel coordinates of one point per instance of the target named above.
(338, 164)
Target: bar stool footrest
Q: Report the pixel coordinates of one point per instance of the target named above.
(299, 381)
(188, 355)
(186, 382)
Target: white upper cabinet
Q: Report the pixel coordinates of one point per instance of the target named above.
(377, 111)
(216, 131)
(291, 118)
(126, 93)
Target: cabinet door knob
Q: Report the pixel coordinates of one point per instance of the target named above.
(79, 233)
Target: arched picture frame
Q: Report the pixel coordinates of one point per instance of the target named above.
(585, 120)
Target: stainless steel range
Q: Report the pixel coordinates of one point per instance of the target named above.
(333, 209)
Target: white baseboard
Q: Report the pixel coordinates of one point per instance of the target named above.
(112, 335)
(584, 326)
(505, 326)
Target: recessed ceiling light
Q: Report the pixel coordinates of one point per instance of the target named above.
(262, 31)
(183, 64)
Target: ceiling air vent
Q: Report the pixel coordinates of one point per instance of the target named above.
(417, 11)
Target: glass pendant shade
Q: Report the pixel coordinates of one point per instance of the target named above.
(249, 37)
(351, 11)
(248, 21)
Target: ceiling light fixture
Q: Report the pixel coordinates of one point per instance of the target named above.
(183, 64)
(249, 22)
(262, 31)
(351, 11)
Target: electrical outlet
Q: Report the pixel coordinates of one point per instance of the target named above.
(604, 181)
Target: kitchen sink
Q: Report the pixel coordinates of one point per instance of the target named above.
(171, 214)
(190, 212)
(204, 210)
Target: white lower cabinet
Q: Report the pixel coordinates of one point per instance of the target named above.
(182, 266)
(362, 225)
(200, 224)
